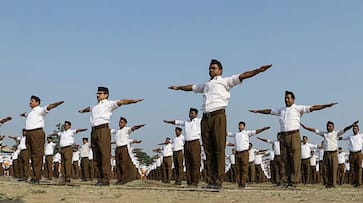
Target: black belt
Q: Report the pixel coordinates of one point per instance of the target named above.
(49, 155)
(190, 141)
(214, 112)
(66, 146)
(238, 152)
(289, 132)
(33, 129)
(105, 125)
(121, 146)
(178, 151)
(335, 151)
(355, 152)
(306, 159)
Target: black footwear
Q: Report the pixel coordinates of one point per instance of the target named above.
(102, 184)
(120, 183)
(242, 186)
(177, 183)
(34, 182)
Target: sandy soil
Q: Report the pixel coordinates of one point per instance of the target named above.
(153, 191)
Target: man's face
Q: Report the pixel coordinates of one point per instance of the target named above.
(66, 126)
(177, 132)
(192, 115)
(101, 95)
(289, 100)
(214, 70)
(85, 141)
(122, 123)
(330, 127)
(33, 103)
(355, 130)
(305, 140)
(241, 127)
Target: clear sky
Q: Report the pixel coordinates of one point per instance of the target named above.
(63, 50)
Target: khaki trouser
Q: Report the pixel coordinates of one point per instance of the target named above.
(91, 170)
(75, 170)
(85, 168)
(251, 172)
(290, 149)
(277, 169)
(355, 161)
(16, 170)
(48, 166)
(24, 167)
(178, 158)
(167, 162)
(66, 155)
(101, 147)
(124, 168)
(192, 156)
(56, 170)
(241, 167)
(340, 174)
(35, 140)
(305, 171)
(314, 175)
(214, 134)
(330, 160)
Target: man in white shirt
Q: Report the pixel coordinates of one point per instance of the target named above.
(75, 162)
(23, 159)
(84, 159)
(178, 155)
(48, 152)
(192, 146)
(330, 145)
(92, 168)
(65, 143)
(56, 162)
(241, 145)
(167, 152)
(306, 149)
(313, 169)
(290, 146)
(216, 94)
(35, 140)
(341, 166)
(123, 163)
(101, 133)
(355, 155)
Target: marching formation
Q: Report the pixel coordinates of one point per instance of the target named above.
(195, 154)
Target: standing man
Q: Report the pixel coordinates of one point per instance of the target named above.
(35, 136)
(341, 166)
(192, 146)
(178, 155)
(48, 152)
(306, 149)
(290, 146)
(101, 133)
(330, 145)
(56, 161)
(216, 94)
(85, 169)
(23, 159)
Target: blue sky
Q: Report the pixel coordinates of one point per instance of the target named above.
(63, 50)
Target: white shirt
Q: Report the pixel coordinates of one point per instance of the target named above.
(35, 118)
(321, 154)
(22, 144)
(49, 148)
(232, 159)
(15, 155)
(251, 154)
(289, 117)
(330, 139)
(341, 158)
(67, 137)
(191, 129)
(216, 92)
(75, 156)
(178, 143)
(242, 139)
(122, 136)
(90, 155)
(258, 159)
(57, 158)
(276, 146)
(101, 113)
(306, 150)
(168, 150)
(313, 159)
(85, 150)
(355, 142)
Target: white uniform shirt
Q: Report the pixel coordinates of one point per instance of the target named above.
(341, 158)
(15, 155)
(35, 118)
(232, 159)
(75, 156)
(22, 144)
(101, 113)
(57, 158)
(306, 150)
(321, 154)
(258, 159)
(289, 117)
(49, 148)
(178, 143)
(90, 155)
(355, 142)
(251, 154)
(313, 159)
(168, 150)
(276, 146)
(191, 128)
(216, 92)
(122, 136)
(330, 139)
(242, 139)
(85, 150)
(67, 137)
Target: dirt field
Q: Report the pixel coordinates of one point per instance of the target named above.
(152, 191)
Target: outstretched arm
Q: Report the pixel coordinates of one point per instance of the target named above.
(184, 88)
(262, 139)
(81, 130)
(4, 120)
(320, 107)
(349, 127)
(170, 122)
(308, 128)
(137, 127)
(85, 110)
(262, 129)
(263, 111)
(252, 73)
(128, 101)
(52, 106)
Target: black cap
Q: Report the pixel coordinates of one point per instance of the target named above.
(85, 138)
(103, 89)
(215, 61)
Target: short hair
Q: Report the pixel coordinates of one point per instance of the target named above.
(329, 122)
(67, 122)
(215, 61)
(250, 144)
(241, 122)
(85, 138)
(37, 99)
(290, 93)
(356, 125)
(193, 109)
(123, 119)
(305, 137)
(178, 128)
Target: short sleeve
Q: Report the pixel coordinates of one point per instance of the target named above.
(113, 131)
(319, 133)
(303, 109)
(233, 81)
(251, 133)
(198, 88)
(179, 122)
(112, 105)
(275, 112)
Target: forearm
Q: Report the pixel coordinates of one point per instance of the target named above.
(184, 88)
(249, 74)
(51, 106)
(320, 107)
(85, 110)
(262, 129)
(170, 122)
(127, 101)
(263, 111)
